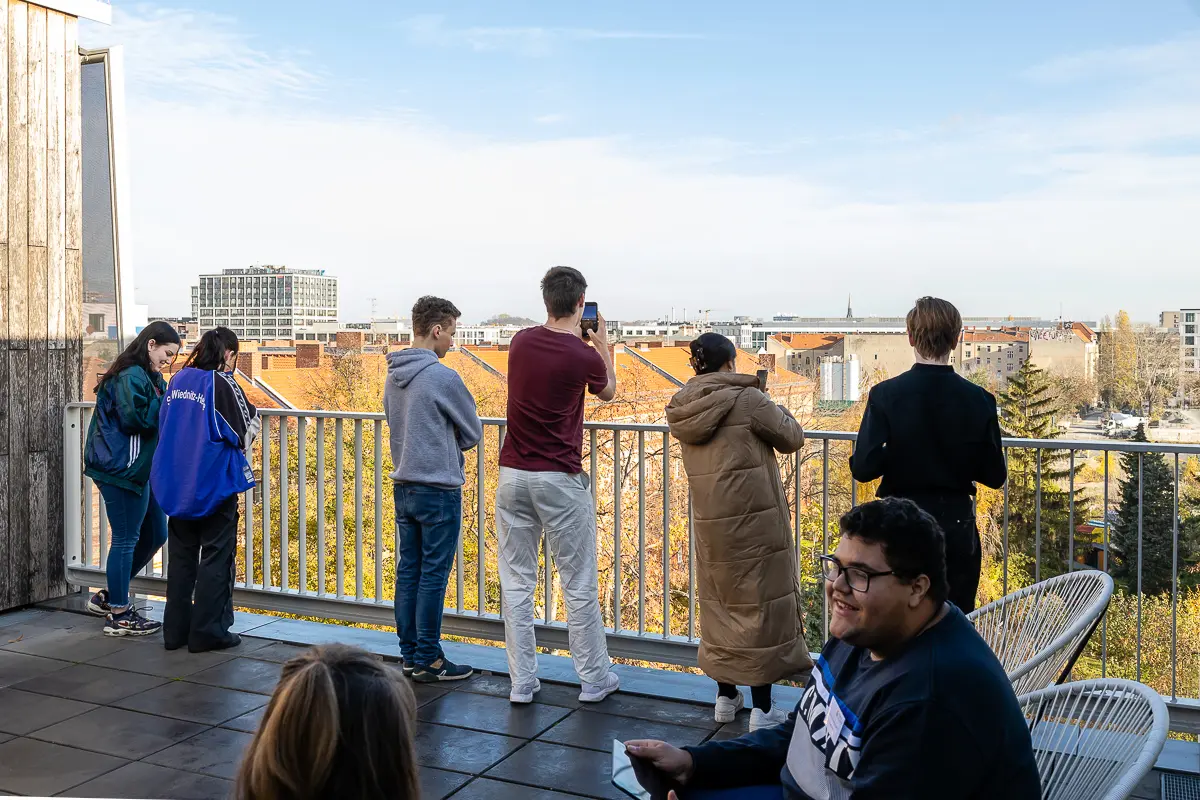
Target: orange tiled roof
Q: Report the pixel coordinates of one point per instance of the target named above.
(808, 341)
(1083, 332)
(496, 359)
(257, 397)
(675, 361)
(633, 373)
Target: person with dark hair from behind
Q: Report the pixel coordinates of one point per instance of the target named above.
(339, 725)
(751, 616)
(931, 435)
(543, 487)
(200, 469)
(906, 701)
(121, 440)
(432, 421)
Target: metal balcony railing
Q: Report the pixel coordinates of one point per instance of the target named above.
(317, 537)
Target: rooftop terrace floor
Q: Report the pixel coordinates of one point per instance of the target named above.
(85, 715)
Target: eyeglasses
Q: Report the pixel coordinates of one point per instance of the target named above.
(857, 578)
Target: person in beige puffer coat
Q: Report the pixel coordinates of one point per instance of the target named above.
(751, 620)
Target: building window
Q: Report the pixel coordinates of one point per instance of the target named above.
(1189, 340)
(1189, 317)
(1189, 328)
(96, 322)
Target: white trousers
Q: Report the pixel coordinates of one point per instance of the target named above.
(528, 503)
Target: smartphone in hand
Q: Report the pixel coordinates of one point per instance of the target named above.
(762, 380)
(590, 320)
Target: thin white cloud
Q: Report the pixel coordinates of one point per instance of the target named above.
(532, 41)
(550, 119)
(1176, 57)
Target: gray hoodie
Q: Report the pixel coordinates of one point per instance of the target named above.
(431, 417)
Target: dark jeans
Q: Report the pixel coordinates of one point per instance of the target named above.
(200, 564)
(428, 522)
(964, 553)
(760, 695)
(138, 529)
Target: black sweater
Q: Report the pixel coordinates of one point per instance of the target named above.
(929, 432)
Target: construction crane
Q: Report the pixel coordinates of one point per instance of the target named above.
(705, 312)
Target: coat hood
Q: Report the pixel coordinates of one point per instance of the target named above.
(404, 365)
(698, 409)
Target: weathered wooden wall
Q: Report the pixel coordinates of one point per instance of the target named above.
(41, 287)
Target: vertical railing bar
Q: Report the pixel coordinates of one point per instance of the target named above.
(641, 532)
(359, 565)
(691, 569)
(302, 501)
(1175, 587)
(266, 504)
(1071, 515)
(285, 555)
(499, 453)
(617, 486)
(1004, 592)
(103, 537)
(88, 522)
(853, 482)
(595, 459)
(824, 532)
(379, 500)
(248, 537)
(322, 583)
(480, 519)
(666, 528)
(796, 525)
(1141, 485)
(1107, 557)
(339, 517)
(1037, 527)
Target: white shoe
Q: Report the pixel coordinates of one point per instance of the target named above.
(728, 707)
(524, 694)
(760, 719)
(595, 692)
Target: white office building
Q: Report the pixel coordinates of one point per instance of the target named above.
(266, 302)
(1187, 321)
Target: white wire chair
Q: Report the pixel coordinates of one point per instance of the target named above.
(1095, 740)
(1038, 632)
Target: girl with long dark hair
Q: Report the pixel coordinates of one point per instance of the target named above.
(121, 441)
(207, 429)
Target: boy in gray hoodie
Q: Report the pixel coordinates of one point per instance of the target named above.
(432, 420)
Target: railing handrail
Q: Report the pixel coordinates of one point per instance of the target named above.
(1111, 445)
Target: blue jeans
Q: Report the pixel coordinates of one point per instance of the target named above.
(138, 529)
(428, 522)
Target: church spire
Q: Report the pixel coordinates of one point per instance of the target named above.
(849, 308)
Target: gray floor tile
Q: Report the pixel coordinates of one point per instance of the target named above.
(41, 769)
(75, 644)
(552, 694)
(210, 705)
(141, 780)
(26, 616)
(727, 732)
(91, 684)
(485, 789)
(277, 652)
(26, 712)
(247, 723)
(216, 752)
(148, 657)
(461, 750)
(597, 731)
(624, 705)
(246, 674)
(552, 766)
(18, 667)
(425, 693)
(4, 737)
(492, 714)
(127, 734)
(437, 783)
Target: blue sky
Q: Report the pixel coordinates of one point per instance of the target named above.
(764, 156)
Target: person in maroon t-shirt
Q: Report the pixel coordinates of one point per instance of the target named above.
(543, 486)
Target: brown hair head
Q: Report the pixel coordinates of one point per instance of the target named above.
(562, 289)
(340, 724)
(934, 326)
(430, 311)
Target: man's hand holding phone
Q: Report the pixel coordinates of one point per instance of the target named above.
(599, 336)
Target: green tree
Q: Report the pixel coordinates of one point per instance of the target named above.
(1028, 407)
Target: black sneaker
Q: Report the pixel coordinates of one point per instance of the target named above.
(232, 640)
(407, 667)
(98, 605)
(442, 670)
(130, 623)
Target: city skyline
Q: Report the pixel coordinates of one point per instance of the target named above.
(1000, 157)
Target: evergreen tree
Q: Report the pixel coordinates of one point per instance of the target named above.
(1158, 524)
(1027, 411)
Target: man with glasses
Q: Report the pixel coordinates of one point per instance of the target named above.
(906, 700)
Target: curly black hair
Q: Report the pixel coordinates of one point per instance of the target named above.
(913, 542)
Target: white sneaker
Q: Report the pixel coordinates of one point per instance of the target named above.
(728, 707)
(760, 719)
(524, 694)
(595, 692)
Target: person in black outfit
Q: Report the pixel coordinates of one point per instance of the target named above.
(932, 435)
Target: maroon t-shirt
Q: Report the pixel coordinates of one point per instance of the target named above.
(547, 375)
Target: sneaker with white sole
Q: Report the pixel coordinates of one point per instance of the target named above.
(728, 707)
(595, 692)
(442, 670)
(760, 719)
(130, 622)
(524, 694)
(99, 605)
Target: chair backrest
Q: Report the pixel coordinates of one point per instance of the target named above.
(1038, 632)
(1095, 740)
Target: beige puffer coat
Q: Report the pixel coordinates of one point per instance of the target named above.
(751, 619)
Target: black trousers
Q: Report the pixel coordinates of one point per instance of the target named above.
(200, 576)
(964, 553)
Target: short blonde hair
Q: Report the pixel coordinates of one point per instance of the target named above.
(934, 326)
